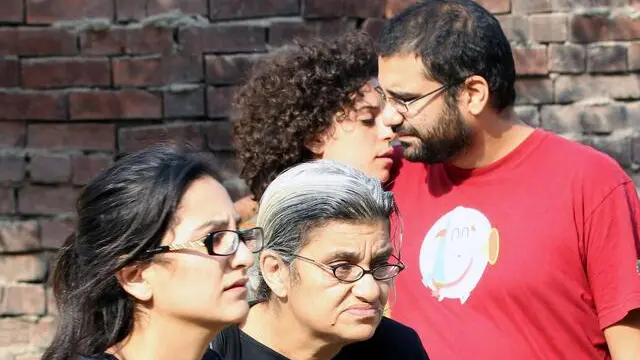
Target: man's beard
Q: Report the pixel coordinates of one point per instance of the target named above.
(448, 137)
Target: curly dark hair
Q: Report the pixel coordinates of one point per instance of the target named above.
(291, 97)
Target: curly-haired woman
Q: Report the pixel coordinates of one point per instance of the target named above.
(312, 100)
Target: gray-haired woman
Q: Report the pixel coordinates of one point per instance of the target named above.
(324, 276)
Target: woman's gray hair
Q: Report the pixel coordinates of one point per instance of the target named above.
(309, 195)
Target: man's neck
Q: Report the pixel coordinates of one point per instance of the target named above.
(286, 335)
(157, 338)
(494, 137)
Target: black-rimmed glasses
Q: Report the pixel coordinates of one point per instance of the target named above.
(402, 106)
(351, 272)
(221, 242)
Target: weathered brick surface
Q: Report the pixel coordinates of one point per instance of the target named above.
(548, 27)
(68, 72)
(84, 81)
(19, 236)
(47, 200)
(72, 136)
(241, 9)
(85, 167)
(50, 168)
(606, 58)
(22, 268)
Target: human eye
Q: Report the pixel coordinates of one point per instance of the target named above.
(368, 122)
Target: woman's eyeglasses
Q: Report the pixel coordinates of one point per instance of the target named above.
(221, 242)
(351, 272)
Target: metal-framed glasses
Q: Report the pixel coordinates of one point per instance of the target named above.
(220, 242)
(351, 272)
(402, 106)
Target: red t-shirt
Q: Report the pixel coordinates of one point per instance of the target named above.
(530, 257)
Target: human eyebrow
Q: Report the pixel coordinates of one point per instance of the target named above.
(403, 95)
(212, 224)
(383, 254)
(343, 254)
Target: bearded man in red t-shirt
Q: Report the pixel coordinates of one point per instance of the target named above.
(519, 244)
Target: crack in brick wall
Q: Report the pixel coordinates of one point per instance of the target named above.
(83, 81)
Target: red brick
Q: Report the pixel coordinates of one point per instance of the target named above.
(52, 308)
(323, 8)
(373, 27)
(531, 6)
(228, 69)
(567, 58)
(12, 168)
(48, 200)
(14, 331)
(9, 72)
(564, 5)
(50, 11)
(21, 299)
(531, 60)
(65, 72)
(85, 167)
(281, 33)
(575, 88)
(515, 27)
(593, 28)
(633, 56)
(218, 136)
(238, 9)
(16, 236)
(32, 106)
(189, 7)
(12, 134)
(182, 69)
(42, 333)
(55, 232)
(133, 139)
(140, 71)
(127, 10)
(561, 119)
(127, 40)
(219, 101)
(184, 102)
(231, 38)
(607, 58)
(393, 7)
(358, 9)
(115, 104)
(22, 268)
(36, 41)
(12, 11)
(72, 136)
(7, 201)
(548, 27)
(49, 168)
(496, 6)
(534, 91)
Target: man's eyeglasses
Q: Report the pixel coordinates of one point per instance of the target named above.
(351, 272)
(402, 106)
(221, 242)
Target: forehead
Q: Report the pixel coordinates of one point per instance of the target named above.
(355, 236)
(401, 70)
(205, 198)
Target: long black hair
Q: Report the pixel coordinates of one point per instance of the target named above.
(121, 213)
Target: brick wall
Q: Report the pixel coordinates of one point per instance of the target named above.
(84, 80)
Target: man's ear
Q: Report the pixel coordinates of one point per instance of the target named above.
(275, 273)
(133, 281)
(476, 95)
